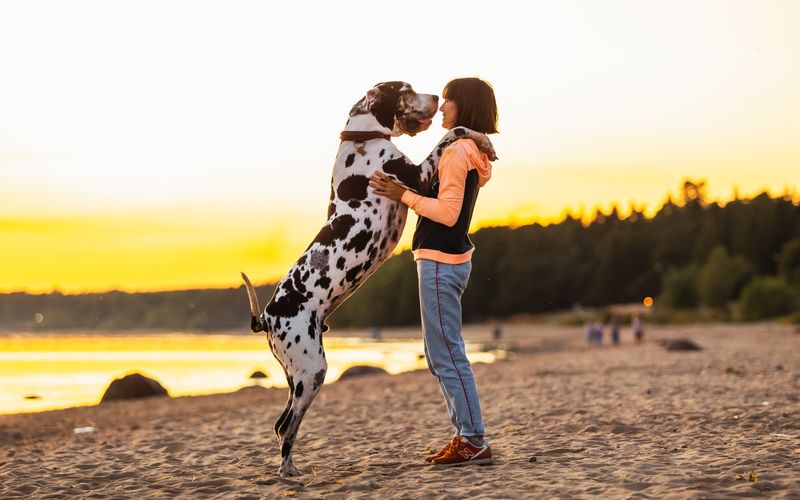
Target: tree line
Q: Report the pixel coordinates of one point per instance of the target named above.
(741, 258)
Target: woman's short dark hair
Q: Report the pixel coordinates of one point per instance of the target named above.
(475, 104)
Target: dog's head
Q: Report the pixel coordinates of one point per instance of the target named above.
(397, 107)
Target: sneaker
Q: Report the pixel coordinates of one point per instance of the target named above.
(464, 453)
(441, 452)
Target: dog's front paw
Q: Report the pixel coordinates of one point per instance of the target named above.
(481, 140)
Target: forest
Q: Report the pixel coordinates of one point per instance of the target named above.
(740, 259)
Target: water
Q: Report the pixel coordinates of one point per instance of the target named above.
(50, 372)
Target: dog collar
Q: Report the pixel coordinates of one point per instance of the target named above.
(359, 136)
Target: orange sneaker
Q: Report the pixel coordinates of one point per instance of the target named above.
(441, 452)
(464, 453)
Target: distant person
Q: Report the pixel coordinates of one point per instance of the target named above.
(615, 331)
(497, 332)
(375, 332)
(638, 329)
(598, 334)
(443, 252)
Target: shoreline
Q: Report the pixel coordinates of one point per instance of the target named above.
(86, 365)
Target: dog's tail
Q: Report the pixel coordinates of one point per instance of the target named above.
(257, 323)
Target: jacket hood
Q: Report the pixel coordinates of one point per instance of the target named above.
(478, 159)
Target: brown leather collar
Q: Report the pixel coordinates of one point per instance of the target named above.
(358, 136)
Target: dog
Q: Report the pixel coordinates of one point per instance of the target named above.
(361, 231)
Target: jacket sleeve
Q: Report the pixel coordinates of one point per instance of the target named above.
(445, 209)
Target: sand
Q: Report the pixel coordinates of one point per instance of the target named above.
(563, 419)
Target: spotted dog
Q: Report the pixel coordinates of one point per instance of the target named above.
(361, 231)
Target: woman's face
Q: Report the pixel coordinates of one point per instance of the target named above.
(449, 114)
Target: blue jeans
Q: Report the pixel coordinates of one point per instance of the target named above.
(440, 289)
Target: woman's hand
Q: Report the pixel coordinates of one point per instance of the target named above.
(384, 186)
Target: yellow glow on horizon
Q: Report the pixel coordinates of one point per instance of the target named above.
(176, 159)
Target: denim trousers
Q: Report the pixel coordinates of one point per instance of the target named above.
(440, 289)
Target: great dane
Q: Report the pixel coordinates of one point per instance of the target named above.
(361, 231)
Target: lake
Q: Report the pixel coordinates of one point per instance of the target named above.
(50, 372)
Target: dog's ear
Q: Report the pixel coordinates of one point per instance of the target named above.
(372, 98)
(367, 103)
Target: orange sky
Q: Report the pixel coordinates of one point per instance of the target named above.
(151, 146)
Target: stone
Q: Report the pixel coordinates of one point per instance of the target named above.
(133, 386)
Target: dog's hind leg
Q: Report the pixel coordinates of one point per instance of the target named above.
(307, 385)
(285, 414)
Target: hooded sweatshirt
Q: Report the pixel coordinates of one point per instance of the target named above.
(444, 218)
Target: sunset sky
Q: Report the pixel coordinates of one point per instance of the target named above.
(157, 145)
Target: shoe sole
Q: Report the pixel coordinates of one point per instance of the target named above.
(481, 461)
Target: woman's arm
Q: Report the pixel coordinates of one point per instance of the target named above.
(444, 209)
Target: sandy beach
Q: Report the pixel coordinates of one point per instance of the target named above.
(564, 420)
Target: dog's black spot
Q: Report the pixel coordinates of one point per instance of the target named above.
(287, 305)
(305, 351)
(368, 223)
(353, 188)
(381, 153)
(312, 325)
(459, 132)
(359, 241)
(385, 107)
(374, 210)
(306, 275)
(367, 162)
(286, 448)
(405, 171)
(298, 391)
(368, 265)
(352, 273)
(320, 350)
(331, 210)
(367, 203)
(298, 281)
(324, 282)
(297, 339)
(354, 203)
(319, 378)
(340, 263)
(349, 160)
(336, 230)
(288, 346)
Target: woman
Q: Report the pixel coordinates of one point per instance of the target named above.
(443, 251)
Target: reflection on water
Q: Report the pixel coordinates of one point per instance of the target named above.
(43, 373)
